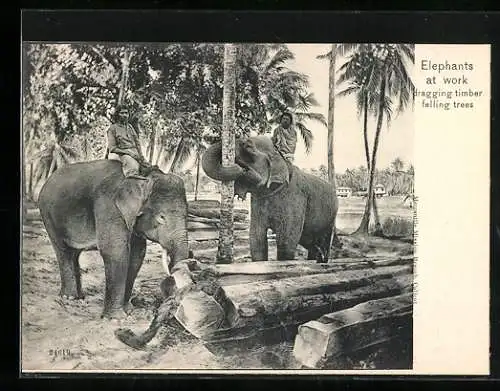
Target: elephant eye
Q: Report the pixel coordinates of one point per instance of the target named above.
(161, 218)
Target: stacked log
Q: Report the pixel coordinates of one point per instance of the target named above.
(339, 334)
(204, 220)
(266, 302)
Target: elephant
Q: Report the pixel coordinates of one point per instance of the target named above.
(93, 206)
(299, 207)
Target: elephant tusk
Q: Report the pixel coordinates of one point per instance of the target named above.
(165, 261)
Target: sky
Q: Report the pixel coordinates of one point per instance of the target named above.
(395, 141)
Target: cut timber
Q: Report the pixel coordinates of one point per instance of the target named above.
(246, 272)
(204, 204)
(197, 312)
(345, 332)
(215, 213)
(274, 309)
(209, 224)
(266, 302)
(283, 326)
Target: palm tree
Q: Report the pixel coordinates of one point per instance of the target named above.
(358, 72)
(272, 89)
(53, 156)
(397, 164)
(395, 91)
(332, 57)
(225, 250)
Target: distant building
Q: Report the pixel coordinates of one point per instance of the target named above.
(344, 192)
(379, 190)
(211, 186)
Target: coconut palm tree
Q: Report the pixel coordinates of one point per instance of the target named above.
(270, 88)
(225, 250)
(357, 73)
(395, 89)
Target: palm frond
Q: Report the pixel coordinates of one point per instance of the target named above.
(344, 49)
(352, 89)
(408, 50)
(306, 135)
(324, 56)
(306, 116)
(280, 57)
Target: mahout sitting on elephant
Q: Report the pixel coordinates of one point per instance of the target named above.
(299, 207)
(92, 206)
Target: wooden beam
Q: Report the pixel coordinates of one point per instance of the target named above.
(353, 329)
(246, 272)
(259, 302)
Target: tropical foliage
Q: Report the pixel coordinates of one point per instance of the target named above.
(174, 92)
(378, 75)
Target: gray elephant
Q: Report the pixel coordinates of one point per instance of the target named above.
(92, 206)
(300, 208)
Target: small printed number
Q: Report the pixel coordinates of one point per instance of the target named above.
(60, 352)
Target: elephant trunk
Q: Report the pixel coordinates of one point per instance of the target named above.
(175, 249)
(211, 163)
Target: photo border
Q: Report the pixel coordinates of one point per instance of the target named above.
(422, 27)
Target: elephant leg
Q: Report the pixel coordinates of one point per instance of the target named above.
(67, 257)
(287, 239)
(258, 233)
(320, 250)
(137, 254)
(71, 283)
(258, 242)
(115, 253)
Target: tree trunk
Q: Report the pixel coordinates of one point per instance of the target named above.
(198, 161)
(152, 140)
(225, 250)
(365, 221)
(30, 183)
(331, 113)
(124, 76)
(365, 132)
(175, 160)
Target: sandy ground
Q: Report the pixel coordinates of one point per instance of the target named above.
(59, 335)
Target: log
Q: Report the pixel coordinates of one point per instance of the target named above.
(284, 327)
(346, 332)
(274, 309)
(204, 204)
(211, 224)
(215, 213)
(247, 272)
(265, 302)
(195, 310)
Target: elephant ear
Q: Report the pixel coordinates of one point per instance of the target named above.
(279, 172)
(130, 196)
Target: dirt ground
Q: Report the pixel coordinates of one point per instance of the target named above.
(59, 335)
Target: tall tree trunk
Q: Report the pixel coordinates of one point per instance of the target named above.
(177, 156)
(378, 226)
(331, 113)
(365, 132)
(225, 250)
(30, 183)
(198, 161)
(365, 220)
(158, 156)
(124, 76)
(152, 140)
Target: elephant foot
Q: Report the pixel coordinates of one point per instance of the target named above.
(128, 308)
(72, 297)
(115, 315)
